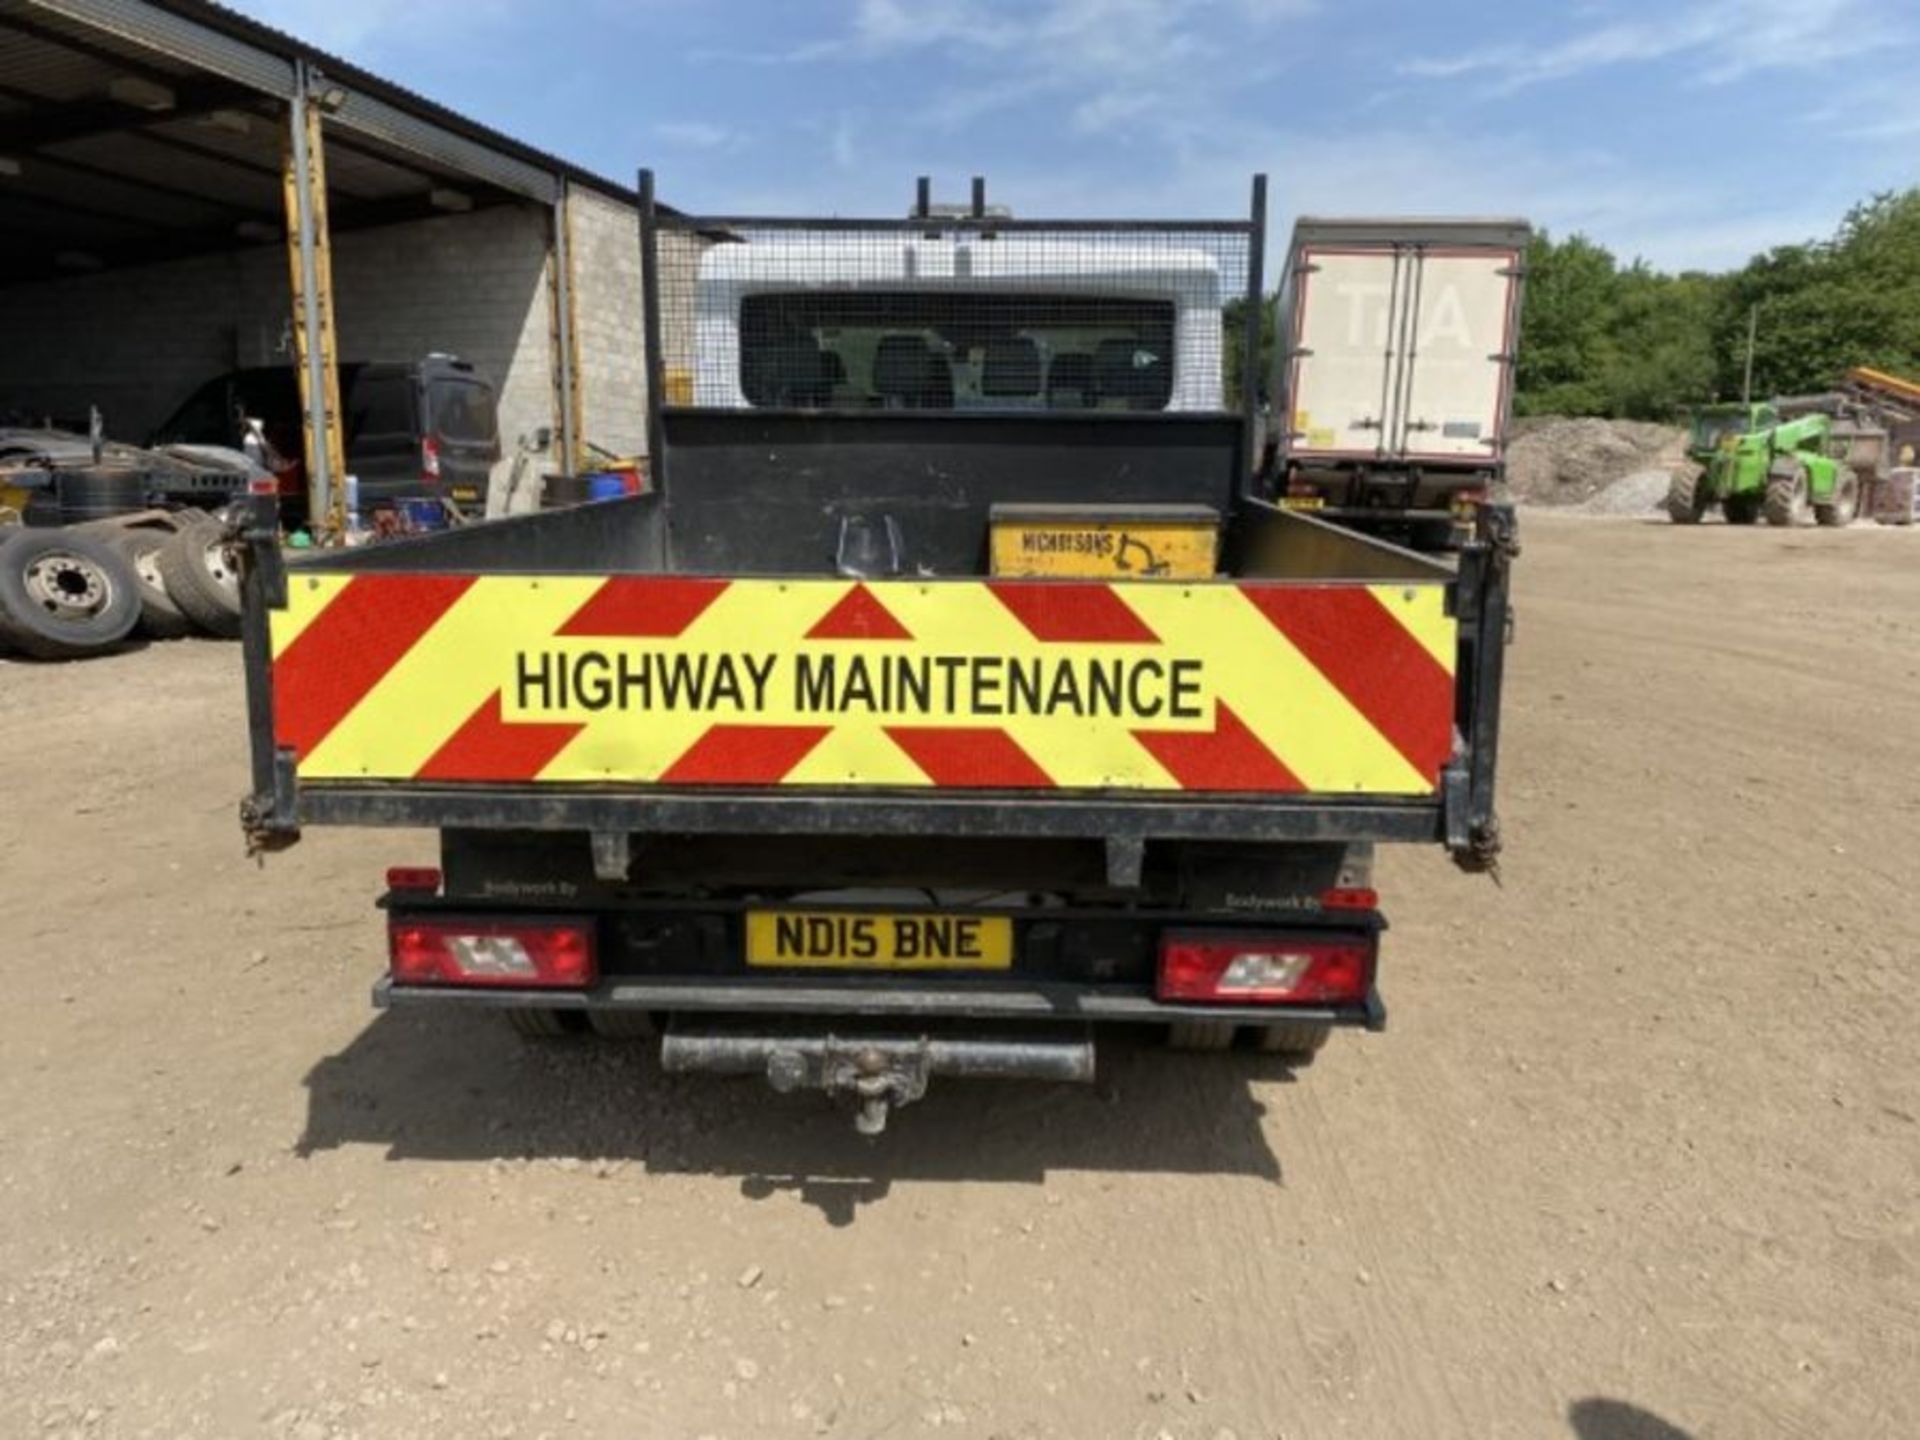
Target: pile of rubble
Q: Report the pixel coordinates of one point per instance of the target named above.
(1615, 467)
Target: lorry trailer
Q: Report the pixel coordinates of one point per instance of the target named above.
(1393, 381)
(951, 694)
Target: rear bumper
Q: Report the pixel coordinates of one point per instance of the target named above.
(902, 999)
(1328, 819)
(807, 1060)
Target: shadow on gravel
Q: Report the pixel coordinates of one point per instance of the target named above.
(449, 1087)
(1617, 1420)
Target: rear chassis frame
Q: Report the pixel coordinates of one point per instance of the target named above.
(1050, 981)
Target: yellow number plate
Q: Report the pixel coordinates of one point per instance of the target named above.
(1302, 502)
(847, 940)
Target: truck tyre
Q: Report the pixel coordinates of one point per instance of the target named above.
(1844, 507)
(1201, 1035)
(64, 595)
(622, 1024)
(160, 618)
(1786, 501)
(1741, 509)
(543, 1024)
(201, 573)
(1298, 1040)
(1687, 499)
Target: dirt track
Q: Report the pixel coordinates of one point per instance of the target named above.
(1639, 1158)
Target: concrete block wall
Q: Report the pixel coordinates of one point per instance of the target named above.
(611, 316)
(471, 285)
(138, 341)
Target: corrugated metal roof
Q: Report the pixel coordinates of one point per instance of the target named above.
(124, 150)
(250, 183)
(291, 47)
(31, 66)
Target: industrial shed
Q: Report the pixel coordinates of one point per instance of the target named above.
(184, 192)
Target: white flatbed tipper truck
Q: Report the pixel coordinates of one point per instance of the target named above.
(953, 693)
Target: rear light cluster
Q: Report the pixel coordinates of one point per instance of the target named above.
(1249, 969)
(414, 879)
(430, 458)
(484, 952)
(1466, 503)
(1349, 897)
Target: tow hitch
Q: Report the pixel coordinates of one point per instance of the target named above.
(875, 1073)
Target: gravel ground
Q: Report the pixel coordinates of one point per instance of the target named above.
(1638, 1159)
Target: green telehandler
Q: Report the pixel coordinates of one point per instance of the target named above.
(1753, 464)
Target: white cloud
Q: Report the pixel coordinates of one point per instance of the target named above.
(1160, 77)
(1884, 110)
(843, 144)
(1672, 220)
(1726, 39)
(890, 27)
(1111, 61)
(697, 135)
(361, 30)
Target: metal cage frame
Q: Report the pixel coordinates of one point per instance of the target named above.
(925, 221)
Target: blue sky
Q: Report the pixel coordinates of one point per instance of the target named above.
(1690, 132)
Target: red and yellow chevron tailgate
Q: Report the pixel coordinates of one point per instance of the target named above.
(997, 684)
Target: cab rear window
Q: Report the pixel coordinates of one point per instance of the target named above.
(462, 410)
(955, 350)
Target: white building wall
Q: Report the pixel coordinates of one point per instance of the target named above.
(611, 316)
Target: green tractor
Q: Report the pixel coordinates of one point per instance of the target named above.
(1753, 464)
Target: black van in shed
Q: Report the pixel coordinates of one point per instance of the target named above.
(426, 428)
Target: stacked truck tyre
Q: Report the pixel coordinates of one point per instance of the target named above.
(72, 591)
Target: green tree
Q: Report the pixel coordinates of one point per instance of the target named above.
(1233, 320)
(1657, 352)
(1599, 338)
(1824, 307)
(1561, 330)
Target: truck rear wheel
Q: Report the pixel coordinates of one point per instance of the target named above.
(1201, 1035)
(1786, 502)
(622, 1024)
(1844, 507)
(1741, 509)
(544, 1024)
(1298, 1040)
(1687, 499)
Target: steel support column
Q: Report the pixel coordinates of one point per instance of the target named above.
(565, 334)
(310, 261)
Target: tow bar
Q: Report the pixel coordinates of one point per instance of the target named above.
(879, 1072)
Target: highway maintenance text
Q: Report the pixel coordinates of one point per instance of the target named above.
(594, 681)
